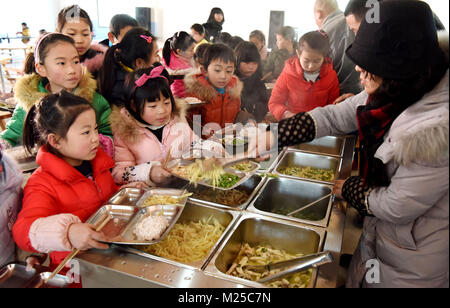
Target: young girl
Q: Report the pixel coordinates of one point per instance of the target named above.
(137, 50)
(11, 196)
(55, 66)
(213, 26)
(119, 27)
(198, 33)
(75, 22)
(178, 53)
(150, 127)
(217, 86)
(274, 65)
(308, 80)
(248, 68)
(258, 38)
(72, 182)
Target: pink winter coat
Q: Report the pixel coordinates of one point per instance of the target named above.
(178, 66)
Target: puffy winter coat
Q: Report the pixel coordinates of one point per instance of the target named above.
(177, 64)
(57, 196)
(220, 109)
(293, 93)
(93, 59)
(406, 244)
(31, 88)
(10, 204)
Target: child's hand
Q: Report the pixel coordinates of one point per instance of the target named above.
(84, 237)
(343, 98)
(159, 175)
(137, 185)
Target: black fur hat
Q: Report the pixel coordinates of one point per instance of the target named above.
(403, 43)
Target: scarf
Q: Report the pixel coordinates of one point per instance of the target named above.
(374, 121)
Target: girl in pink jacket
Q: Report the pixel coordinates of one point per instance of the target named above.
(178, 53)
(149, 128)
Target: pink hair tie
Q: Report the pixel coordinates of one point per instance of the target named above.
(149, 39)
(37, 56)
(155, 73)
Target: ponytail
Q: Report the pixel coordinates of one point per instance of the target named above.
(31, 136)
(167, 51)
(30, 65)
(105, 75)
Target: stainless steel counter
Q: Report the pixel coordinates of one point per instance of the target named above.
(121, 269)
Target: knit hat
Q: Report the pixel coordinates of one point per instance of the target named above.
(402, 44)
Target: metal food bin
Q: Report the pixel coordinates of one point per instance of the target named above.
(284, 195)
(330, 146)
(121, 267)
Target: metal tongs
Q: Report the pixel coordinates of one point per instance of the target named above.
(292, 266)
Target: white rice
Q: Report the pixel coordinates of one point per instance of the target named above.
(151, 228)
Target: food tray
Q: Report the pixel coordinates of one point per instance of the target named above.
(15, 275)
(300, 159)
(280, 196)
(333, 146)
(26, 163)
(259, 230)
(244, 177)
(193, 213)
(175, 193)
(119, 230)
(127, 196)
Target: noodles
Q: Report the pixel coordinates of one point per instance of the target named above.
(309, 173)
(188, 242)
(265, 255)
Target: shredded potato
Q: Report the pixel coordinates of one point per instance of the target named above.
(265, 255)
(244, 167)
(160, 200)
(188, 243)
(309, 173)
(195, 173)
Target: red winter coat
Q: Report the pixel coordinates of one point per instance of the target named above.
(293, 93)
(220, 109)
(57, 188)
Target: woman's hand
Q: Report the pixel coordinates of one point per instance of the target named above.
(261, 141)
(159, 175)
(343, 98)
(288, 115)
(337, 190)
(84, 237)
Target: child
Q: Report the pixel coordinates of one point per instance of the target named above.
(217, 86)
(308, 80)
(149, 128)
(72, 182)
(11, 196)
(199, 55)
(137, 50)
(76, 23)
(248, 68)
(119, 27)
(274, 65)
(213, 27)
(198, 32)
(259, 39)
(55, 66)
(178, 52)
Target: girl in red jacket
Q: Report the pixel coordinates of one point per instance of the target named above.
(308, 80)
(72, 183)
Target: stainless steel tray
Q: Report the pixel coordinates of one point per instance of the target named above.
(127, 196)
(260, 230)
(300, 159)
(280, 196)
(175, 193)
(333, 146)
(251, 187)
(15, 275)
(242, 175)
(193, 213)
(120, 229)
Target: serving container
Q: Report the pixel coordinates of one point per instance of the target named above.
(194, 213)
(299, 159)
(281, 196)
(15, 275)
(251, 187)
(119, 230)
(257, 230)
(331, 146)
(243, 176)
